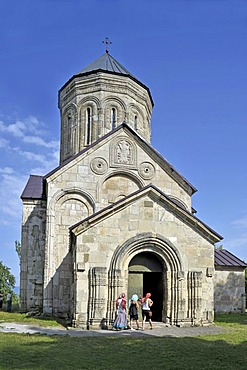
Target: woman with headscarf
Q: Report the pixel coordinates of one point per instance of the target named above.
(121, 318)
(133, 311)
(146, 310)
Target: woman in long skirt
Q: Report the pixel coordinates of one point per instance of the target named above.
(121, 318)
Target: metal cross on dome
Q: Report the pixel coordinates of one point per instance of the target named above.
(107, 42)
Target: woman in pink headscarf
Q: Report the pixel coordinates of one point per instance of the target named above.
(146, 310)
(121, 318)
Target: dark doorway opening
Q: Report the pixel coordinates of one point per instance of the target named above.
(146, 276)
(152, 283)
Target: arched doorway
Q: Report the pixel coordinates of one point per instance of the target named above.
(166, 279)
(146, 274)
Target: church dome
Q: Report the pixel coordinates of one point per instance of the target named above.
(99, 98)
(106, 63)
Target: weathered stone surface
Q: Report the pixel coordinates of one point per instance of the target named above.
(113, 206)
(229, 290)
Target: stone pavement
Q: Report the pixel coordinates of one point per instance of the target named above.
(160, 330)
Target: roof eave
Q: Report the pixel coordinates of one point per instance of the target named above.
(191, 220)
(100, 70)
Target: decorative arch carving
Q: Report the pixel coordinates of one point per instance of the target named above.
(114, 99)
(69, 204)
(75, 193)
(166, 252)
(125, 172)
(71, 107)
(89, 98)
(89, 117)
(69, 144)
(113, 102)
(135, 111)
(118, 185)
(147, 242)
(66, 208)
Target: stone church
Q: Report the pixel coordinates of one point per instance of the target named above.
(114, 216)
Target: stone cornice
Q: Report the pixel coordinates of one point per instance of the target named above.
(99, 71)
(102, 82)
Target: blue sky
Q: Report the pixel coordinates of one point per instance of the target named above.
(192, 54)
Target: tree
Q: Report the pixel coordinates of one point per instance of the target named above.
(7, 281)
(18, 249)
(219, 247)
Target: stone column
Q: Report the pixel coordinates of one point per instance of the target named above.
(97, 296)
(173, 297)
(100, 123)
(49, 268)
(181, 301)
(169, 293)
(194, 295)
(115, 286)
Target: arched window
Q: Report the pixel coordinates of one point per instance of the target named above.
(135, 123)
(68, 134)
(88, 126)
(113, 118)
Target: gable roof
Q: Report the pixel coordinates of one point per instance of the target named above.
(33, 188)
(163, 163)
(224, 258)
(157, 195)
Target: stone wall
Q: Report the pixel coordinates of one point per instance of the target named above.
(88, 102)
(32, 255)
(229, 289)
(190, 283)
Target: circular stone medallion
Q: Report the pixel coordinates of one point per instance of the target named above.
(146, 170)
(99, 165)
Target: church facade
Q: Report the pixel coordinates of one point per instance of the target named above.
(114, 216)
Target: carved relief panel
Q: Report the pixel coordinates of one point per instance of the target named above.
(123, 153)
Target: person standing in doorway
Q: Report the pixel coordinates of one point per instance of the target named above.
(146, 310)
(133, 311)
(9, 302)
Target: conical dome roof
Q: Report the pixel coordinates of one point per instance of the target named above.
(106, 63)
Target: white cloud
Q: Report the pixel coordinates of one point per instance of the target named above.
(237, 244)
(7, 170)
(32, 154)
(39, 141)
(240, 241)
(47, 161)
(11, 186)
(241, 223)
(21, 129)
(3, 143)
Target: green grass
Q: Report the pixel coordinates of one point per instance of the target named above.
(24, 319)
(231, 318)
(215, 352)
